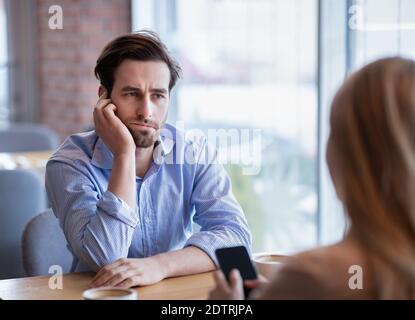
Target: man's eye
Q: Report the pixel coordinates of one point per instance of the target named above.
(131, 94)
(158, 96)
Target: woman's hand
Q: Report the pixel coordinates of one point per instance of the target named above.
(234, 289)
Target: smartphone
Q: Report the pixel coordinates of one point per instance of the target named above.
(236, 258)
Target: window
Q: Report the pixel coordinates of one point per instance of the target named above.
(18, 62)
(251, 66)
(4, 68)
(352, 34)
(275, 65)
(381, 28)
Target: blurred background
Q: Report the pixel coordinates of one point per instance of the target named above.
(271, 65)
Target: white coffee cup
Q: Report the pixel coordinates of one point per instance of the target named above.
(109, 293)
(268, 263)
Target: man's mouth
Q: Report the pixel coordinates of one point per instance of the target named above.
(145, 125)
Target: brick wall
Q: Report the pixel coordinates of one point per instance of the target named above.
(67, 57)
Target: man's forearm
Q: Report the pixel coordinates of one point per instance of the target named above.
(190, 260)
(122, 181)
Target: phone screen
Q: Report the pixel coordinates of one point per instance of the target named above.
(236, 258)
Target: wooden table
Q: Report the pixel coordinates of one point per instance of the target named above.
(194, 287)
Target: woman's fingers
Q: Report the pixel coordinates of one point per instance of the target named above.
(254, 283)
(236, 281)
(220, 280)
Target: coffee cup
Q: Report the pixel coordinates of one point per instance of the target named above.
(109, 293)
(268, 263)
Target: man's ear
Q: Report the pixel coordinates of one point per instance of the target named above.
(101, 90)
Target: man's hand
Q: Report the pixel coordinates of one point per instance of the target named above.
(111, 129)
(126, 273)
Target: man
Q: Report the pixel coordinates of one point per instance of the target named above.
(125, 210)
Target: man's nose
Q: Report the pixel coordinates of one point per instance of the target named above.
(145, 108)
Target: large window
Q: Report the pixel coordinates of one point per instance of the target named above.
(274, 65)
(250, 66)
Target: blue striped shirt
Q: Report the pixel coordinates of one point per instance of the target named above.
(101, 228)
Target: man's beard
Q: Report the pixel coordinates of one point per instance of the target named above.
(146, 139)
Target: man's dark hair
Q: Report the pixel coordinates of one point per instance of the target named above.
(143, 45)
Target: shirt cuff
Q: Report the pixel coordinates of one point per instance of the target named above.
(117, 208)
(209, 241)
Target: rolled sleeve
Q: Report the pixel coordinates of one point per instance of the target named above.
(98, 227)
(209, 241)
(117, 208)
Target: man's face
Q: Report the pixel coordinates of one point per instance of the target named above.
(141, 95)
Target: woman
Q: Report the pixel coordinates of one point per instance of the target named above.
(371, 158)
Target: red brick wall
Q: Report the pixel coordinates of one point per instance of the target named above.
(67, 57)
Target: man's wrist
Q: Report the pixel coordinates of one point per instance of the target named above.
(163, 264)
(126, 155)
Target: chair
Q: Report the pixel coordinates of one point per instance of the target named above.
(27, 137)
(44, 245)
(22, 195)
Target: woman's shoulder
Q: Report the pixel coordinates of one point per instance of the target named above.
(331, 272)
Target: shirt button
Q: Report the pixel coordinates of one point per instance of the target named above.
(147, 220)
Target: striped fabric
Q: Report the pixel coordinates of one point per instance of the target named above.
(101, 228)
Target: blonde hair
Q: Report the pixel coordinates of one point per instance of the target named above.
(373, 140)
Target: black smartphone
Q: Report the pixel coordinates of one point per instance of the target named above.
(236, 258)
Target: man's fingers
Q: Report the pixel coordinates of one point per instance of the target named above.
(101, 103)
(119, 275)
(110, 276)
(104, 113)
(113, 265)
(129, 282)
(107, 268)
(98, 115)
(109, 107)
(109, 111)
(104, 272)
(126, 274)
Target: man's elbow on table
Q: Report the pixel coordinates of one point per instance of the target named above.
(97, 257)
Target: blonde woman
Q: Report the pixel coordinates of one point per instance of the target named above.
(371, 158)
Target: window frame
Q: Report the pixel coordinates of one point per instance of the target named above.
(22, 61)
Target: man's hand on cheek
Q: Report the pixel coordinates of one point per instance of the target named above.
(110, 128)
(126, 273)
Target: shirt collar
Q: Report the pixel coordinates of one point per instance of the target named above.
(102, 157)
